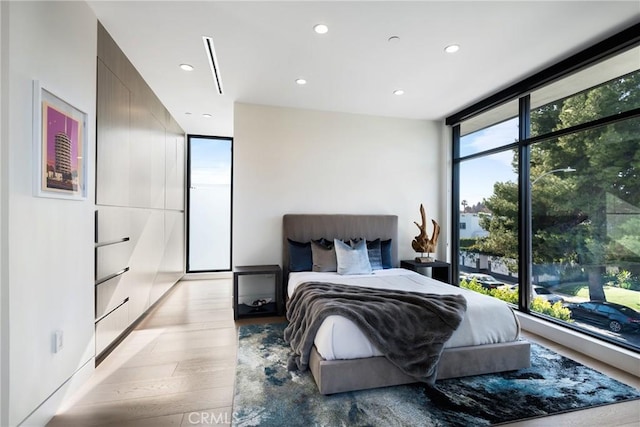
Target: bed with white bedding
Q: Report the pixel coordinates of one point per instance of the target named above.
(343, 359)
(487, 320)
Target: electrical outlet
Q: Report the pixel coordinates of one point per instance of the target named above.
(57, 341)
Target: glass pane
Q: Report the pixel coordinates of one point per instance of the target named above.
(586, 228)
(595, 93)
(595, 75)
(210, 204)
(488, 260)
(492, 129)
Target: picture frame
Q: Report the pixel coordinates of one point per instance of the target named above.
(60, 147)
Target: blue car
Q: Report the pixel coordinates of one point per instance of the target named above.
(614, 316)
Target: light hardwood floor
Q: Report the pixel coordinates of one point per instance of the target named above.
(177, 368)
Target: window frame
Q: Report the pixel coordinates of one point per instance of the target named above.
(188, 269)
(614, 45)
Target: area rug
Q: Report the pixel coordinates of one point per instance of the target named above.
(267, 394)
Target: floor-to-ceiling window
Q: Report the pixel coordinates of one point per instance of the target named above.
(547, 185)
(209, 201)
(488, 210)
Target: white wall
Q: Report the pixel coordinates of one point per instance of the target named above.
(301, 161)
(50, 241)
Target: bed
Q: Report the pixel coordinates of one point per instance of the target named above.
(342, 359)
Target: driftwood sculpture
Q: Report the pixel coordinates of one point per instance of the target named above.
(422, 243)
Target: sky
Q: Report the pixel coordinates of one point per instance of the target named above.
(478, 176)
(210, 161)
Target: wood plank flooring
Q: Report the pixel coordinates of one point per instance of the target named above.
(177, 368)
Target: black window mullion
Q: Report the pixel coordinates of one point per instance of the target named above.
(455, 202)
(525, 262)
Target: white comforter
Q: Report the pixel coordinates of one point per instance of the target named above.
(487, 321)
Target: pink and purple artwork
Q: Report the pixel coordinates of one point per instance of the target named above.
(62, 145)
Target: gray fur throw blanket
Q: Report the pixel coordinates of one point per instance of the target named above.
(409, 328)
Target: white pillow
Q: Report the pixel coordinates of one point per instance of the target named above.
(352, 260)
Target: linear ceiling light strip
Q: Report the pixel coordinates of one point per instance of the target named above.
(213, 62)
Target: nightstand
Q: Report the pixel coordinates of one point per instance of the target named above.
(440, 270)
(271, 308)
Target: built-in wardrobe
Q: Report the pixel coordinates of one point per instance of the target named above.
(140, 187)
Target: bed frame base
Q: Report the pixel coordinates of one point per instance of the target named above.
(337, 376)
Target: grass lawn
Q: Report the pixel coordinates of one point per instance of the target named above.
(620, 296)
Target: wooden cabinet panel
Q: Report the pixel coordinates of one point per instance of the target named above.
(111, 326)
(175, 172)
(139, 195)
(112, 142)
(112, 259)
(109, 295)
(113, 223)
(172, 265)
(156, 159)
(146, 256)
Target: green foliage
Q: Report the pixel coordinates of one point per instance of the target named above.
(588, 217)
(473, 285)
(626, 280)
(607, 176)
(467, 243)
(538, 305)
(623, 279)
(502, 225)
(556, 310)
(505, 294)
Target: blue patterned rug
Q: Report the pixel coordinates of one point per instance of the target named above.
(268, 395)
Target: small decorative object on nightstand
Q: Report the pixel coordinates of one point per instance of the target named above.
(423, 243)
(440, 270)
(260, 306)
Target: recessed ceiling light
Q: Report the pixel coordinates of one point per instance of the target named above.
(188, 113)
(320, 28)
(393, 39)
(301, 82)
(206, 115)
(452, 48)
(398, 92)
(186, 67)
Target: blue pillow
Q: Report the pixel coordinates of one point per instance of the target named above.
(352, 260)
(300, 256)
(385, 250)
(375, 254)
(373, 250)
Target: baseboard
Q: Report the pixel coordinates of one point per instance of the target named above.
(605, 352)
(60, 399)
(208, 276)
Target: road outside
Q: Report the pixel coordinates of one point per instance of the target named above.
(630, 338)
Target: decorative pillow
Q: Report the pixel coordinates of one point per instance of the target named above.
(352, 260)
(300, 256)
(323, 256)
(374, 251)
(375, 254)
(385, 250)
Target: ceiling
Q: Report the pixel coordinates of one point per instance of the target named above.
(263, 47)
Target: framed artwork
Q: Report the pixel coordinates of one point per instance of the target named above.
(60, 147)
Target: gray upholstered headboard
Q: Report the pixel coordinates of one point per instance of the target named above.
(304, 227)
